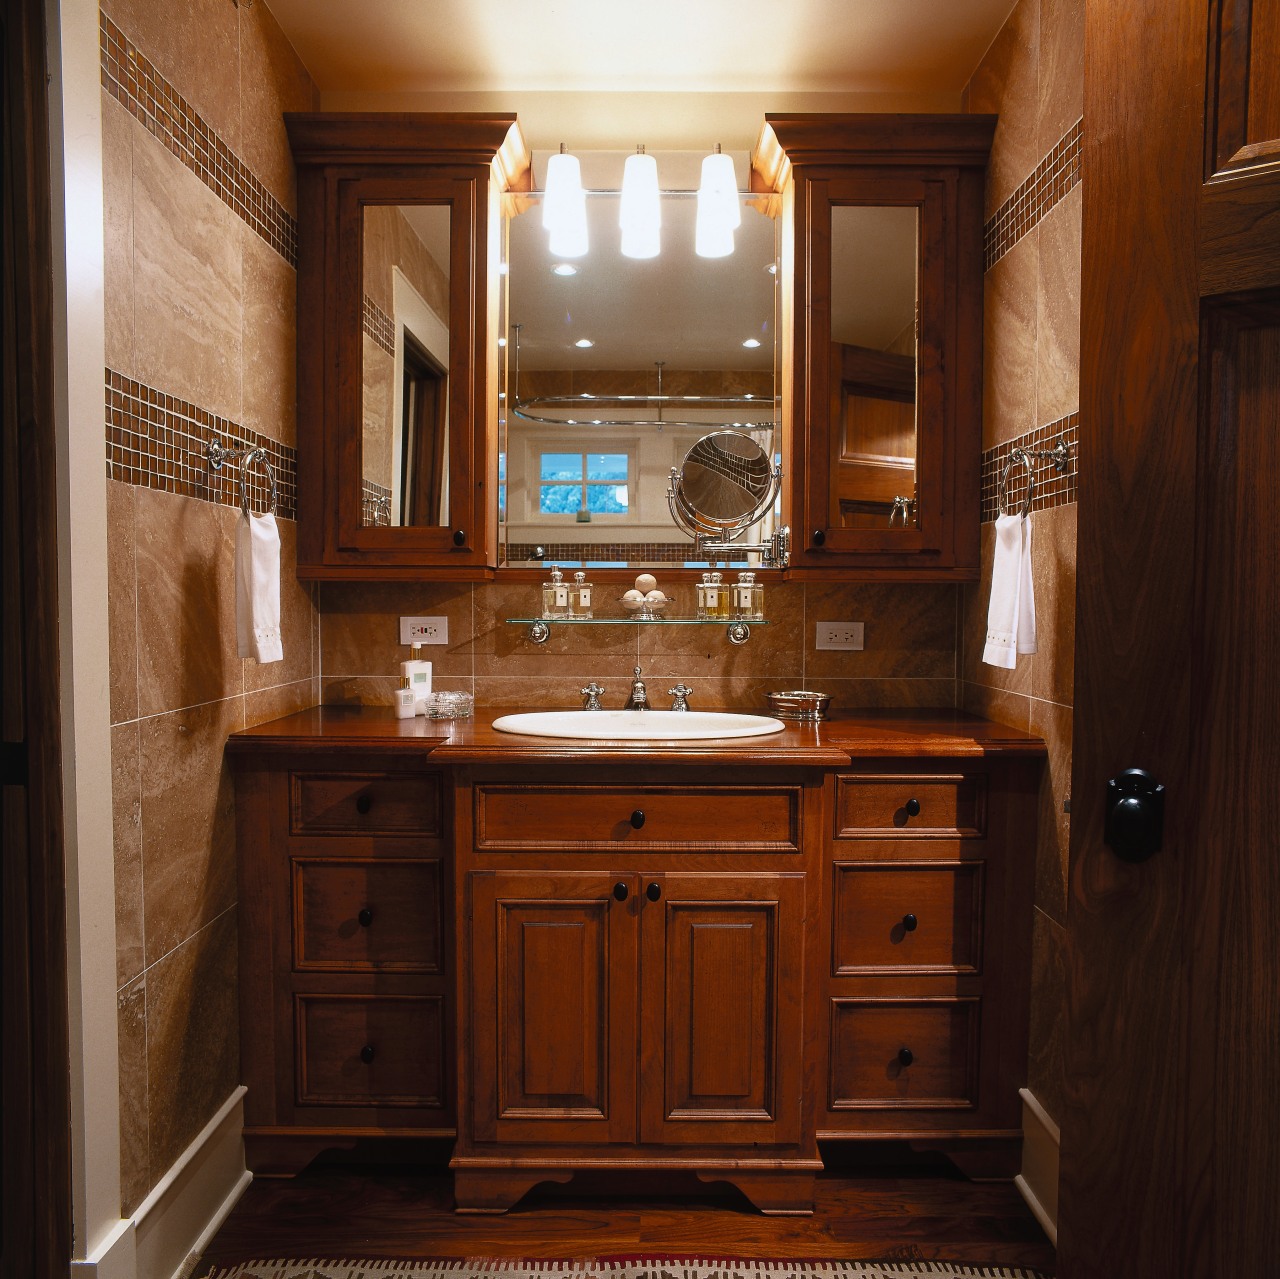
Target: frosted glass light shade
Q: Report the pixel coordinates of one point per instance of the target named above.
(719, 212)
(564, 207)
(640, 213)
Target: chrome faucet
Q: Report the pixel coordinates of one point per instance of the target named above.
(591, 697)
(639, 699)
(680, 697)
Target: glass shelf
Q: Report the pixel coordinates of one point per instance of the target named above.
(738, 630)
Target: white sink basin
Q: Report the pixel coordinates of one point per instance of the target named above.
(639, 726)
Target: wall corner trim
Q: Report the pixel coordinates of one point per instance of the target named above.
(1038, 1180)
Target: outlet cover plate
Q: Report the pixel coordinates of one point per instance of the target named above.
(424, 630)
(838, 635)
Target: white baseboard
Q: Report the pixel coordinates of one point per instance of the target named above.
(1038, 1181)
(192, 1199)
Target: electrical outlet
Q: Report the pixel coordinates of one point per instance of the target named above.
(424, 630)
(845, 635)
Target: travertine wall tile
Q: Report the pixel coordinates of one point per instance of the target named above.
(187, 281)
(135, 1152)
(188, 822)
(1004, 707)
(195, 45)
(122, 603)
(909, 631)
(1058, 310)
(270, 339)
(273, 80)
(1053, 571)
(186, 602)
(117, 201)
(126, 823)
(193, 1048)
(1061, 70)
(1009, 360)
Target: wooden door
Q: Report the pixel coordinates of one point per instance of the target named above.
(1171, 1136)
(553, 1015)
(721, 997)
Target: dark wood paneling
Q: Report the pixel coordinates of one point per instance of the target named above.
(1243, 91)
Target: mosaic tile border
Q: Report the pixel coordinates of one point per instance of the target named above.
(1052, 489)
(1054, 176)
(132, 80)
(157, 441)
(379, 326)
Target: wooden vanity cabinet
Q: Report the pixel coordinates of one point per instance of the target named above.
(635, 957)
(926, 958)
(346, 949)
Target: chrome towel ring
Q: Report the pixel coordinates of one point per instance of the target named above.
(248, 458)
(1018, 455)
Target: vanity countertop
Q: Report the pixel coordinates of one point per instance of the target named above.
(834, 742)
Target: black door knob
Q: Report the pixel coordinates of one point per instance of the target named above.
(365, 917)
(637, 818)
(459, 537)
(905, 1056)
(913, 807)
(366, 1054)
(909, 923)
(819, 537)
(364, 803)
(620, 891)
(1134, 828)
(653, 892)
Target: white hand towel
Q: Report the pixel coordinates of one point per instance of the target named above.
(1011, 617)
(258, 588)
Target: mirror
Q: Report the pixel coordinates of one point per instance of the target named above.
(615, 367)
(874, 292)
(405, 440)
(726, 479)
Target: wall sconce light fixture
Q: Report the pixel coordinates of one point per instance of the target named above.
(564, 206)
(640, 215)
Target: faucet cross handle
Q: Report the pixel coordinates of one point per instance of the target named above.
(680, 695)
(591, 697)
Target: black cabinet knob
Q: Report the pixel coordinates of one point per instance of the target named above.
(905, 1056)
(913, 807)
(819, 537)
(365, 917)
(364, 803)
(459, 537)
(1134, 827)
(909, 923)
(637, 818)
(620, 891)
(653, 892)
(366, 1054)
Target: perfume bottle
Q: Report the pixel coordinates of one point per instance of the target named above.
(717, 597)
(555, 595)
(704, 586)
(580, 596)
(406, 706)
(748, 598)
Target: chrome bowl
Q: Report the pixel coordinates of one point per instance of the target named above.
(799, 704)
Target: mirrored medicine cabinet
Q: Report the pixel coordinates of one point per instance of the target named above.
(472, 406)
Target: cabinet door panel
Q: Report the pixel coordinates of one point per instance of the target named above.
(721, 1000)
(554, 1008)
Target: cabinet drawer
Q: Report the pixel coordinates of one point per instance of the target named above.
(354, 916)
(356, 1050)
(906, 917)
(904, 1053)
(911, 806)
(365, 804)
(512, 818)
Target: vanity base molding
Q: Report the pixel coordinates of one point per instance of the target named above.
(777, 1187)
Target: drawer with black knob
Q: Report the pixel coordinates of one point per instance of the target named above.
(333, 803)
(906, 917)
(911, 806)
(370, 1050)
(357, 915)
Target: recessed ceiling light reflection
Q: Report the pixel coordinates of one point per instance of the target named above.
(751, 343)
(564, 268)
(586, 342)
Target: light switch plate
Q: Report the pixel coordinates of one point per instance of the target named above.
(424, 630)
(838, 635)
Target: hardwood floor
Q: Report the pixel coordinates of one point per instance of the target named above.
(922, 1211)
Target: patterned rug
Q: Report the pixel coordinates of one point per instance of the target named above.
(619, 1268)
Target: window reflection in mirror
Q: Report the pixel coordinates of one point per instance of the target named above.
(405, 442)
(591, 432)
(874, 264)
